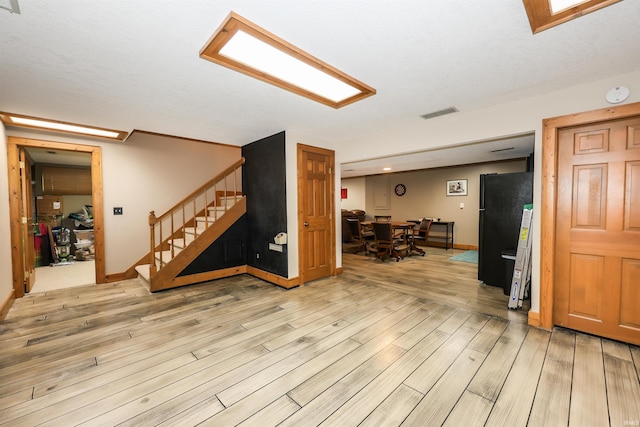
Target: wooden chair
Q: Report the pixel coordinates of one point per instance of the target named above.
(385, 244)
(421, 232)
(382, 218)
(357, 239)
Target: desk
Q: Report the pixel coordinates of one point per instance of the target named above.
(441, 233)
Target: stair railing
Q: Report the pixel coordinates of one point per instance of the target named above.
(171, 224)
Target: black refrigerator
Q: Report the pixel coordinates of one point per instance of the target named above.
(502, 200)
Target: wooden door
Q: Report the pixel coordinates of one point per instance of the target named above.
(316, 227)
(597, 274)
(28, 221)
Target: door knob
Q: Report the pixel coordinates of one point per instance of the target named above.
(306, 224)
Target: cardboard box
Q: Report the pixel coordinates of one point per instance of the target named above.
(84, 234)
(48, 206)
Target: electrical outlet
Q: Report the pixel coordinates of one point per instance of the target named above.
(117, 211)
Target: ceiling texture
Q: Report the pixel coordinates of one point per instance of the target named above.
(128, 65)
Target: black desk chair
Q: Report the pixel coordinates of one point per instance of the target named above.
(421, 232)
(385, 244)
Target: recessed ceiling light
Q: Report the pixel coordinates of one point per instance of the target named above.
(386, 169)
(10, 119)
(243, 46)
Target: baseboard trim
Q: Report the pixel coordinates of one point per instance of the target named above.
(6, 304)
(117, 277)
(273, 278)
(339, 271)
(215, 274)
(201, 277)
(455, 246)
(534, 319)
(465, 247)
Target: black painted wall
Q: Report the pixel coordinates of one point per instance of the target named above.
(227, 251)
(264, 183)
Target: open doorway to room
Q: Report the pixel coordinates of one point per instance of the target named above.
(61, 188)
(56, 217)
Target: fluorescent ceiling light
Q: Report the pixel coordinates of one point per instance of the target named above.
(386, 169)
(243, 46)
(38, 123)
(560, 5)
(544, 14)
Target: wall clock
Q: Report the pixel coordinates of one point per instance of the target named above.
(400, 190)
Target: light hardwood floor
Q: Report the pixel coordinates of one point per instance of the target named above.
(417, 342)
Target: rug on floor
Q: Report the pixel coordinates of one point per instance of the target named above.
(468, 256)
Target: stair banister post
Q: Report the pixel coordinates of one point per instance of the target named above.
(235, 186)
(152, 223)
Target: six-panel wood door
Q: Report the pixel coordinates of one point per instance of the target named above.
(315, 201)
(597, 274)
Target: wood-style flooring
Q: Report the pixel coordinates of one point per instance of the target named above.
(415, 343)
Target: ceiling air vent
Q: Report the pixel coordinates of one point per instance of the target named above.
(439, 113)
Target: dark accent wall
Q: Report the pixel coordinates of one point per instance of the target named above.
(229, 250)
(264, 183)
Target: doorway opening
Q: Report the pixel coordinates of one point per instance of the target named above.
(27, 224)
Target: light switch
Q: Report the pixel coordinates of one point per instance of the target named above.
(461, 205)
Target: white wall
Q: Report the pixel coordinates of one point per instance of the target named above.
(6, 276)
(524, 115)
(356, 196)
(146, 173)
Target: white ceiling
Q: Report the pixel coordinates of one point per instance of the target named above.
(128, 65)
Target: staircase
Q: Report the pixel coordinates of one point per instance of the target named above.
(182, 233)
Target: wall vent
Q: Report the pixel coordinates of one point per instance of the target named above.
(439, 113)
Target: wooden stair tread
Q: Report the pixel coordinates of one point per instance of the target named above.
(165, 256)
(193, 230)
(209, 219)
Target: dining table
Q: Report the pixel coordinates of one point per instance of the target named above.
(406, 233)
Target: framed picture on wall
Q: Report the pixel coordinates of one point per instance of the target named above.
(457, 187)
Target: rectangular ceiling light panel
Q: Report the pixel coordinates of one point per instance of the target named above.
(560, 5)
(544, 14)
(243, 46)
(54, 125)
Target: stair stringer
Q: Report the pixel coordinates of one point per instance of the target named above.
(167, 276)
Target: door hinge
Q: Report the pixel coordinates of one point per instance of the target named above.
(21, 164)
(26, 274)
(24, 219)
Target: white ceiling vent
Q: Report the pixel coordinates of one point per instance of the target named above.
(439, 113)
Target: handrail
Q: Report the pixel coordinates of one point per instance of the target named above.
(196, 203)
